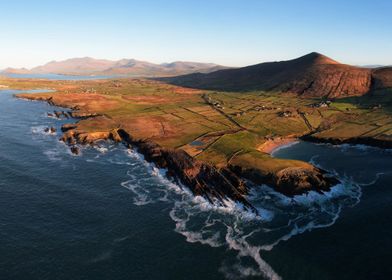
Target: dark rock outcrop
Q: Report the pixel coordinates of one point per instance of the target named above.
(66, 114)
(201, 178)
(370, 141)
(289, 181)
(51, 130)
(214, 184)
(59, 114)
(68, 126)
(75, 150)
(82, 115)
(72, 136)
(293, 180)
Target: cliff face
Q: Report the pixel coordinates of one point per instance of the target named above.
(201, 178)
(215, 184)
(312, 75)
(210, 176)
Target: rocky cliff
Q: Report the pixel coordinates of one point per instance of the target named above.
(215, 184)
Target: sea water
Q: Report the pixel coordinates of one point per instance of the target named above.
(108, 214)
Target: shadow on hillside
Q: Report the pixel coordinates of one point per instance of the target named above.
(372, 100)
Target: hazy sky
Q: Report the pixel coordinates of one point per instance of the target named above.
(228, 32)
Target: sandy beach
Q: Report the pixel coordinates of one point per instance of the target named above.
(274, 143)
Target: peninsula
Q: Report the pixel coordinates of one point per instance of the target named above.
(214, 132)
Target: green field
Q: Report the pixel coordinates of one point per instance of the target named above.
(218, 128)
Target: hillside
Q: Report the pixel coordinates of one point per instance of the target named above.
(312, 75)
(128, 67)
(382, 78)
(209, 140)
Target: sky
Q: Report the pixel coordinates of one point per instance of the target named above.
(227, 32)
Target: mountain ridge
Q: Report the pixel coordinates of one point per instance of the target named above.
(128, 67)
(311, 75)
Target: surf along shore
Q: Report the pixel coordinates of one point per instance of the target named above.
(235, 133)
(273, 144)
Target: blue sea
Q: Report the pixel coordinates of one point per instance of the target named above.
(108, 214)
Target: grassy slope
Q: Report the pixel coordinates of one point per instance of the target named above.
(312, 75)
(215, 127)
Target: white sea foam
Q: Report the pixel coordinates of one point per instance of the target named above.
(53, 155)
(236, 240)
(284, 147)
(234, 227)
(313, 158)
(358, 147)
(231, 226)
(40, 130)
(101, 149)
(372, 182)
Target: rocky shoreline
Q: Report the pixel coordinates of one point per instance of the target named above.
(201, 178)
(368, 141)
(215, 184)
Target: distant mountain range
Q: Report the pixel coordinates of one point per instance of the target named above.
(127, 67)
(312, 75)
(374, 66)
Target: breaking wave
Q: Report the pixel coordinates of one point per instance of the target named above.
(53, 154)
(247, 235)
(284, 147)
(40, 130)
(349, 148)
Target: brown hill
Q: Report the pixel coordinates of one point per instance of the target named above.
(129, 67)
(16, 71)
(382, 78)
(74, 66)
(313, 75)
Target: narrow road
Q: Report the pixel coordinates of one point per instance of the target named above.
(205, 97)
(302, 114)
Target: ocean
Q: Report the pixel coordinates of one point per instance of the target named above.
(107, 214)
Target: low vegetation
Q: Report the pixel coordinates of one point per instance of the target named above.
(222, 129)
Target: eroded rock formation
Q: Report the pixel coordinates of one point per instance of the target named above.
(215, 184)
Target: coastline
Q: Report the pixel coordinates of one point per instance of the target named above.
(163, 117)
(274, 144)
(368, 141)
(202, 178)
